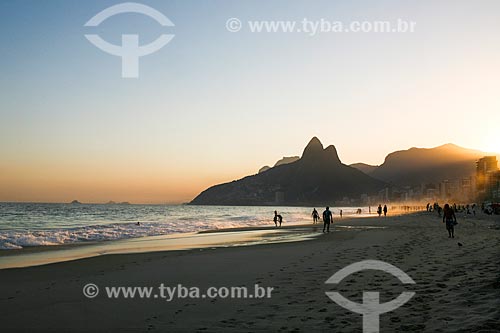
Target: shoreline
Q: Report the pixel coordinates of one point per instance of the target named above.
(242, 236)
(216, 238)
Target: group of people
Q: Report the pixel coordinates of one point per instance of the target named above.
(448, 217)
(380, 210)
(316, 217)
(467, 209)
(277, 218)
(327, 218)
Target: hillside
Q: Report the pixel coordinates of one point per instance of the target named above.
(427, 165)
(318, 177)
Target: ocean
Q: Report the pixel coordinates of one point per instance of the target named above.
(35, 224)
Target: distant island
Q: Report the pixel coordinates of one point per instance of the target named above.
(76, 202)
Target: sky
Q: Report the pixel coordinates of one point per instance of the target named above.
(213, 105)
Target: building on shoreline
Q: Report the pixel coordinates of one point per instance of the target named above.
(488, 178)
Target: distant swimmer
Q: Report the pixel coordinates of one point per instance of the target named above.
(450, 219)
(327, 219)
(138, 223)
(315, 216)
(385, 210)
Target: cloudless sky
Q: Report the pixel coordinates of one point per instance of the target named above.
(213, 106)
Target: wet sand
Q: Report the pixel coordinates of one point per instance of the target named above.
(175, 242)
(457, 287)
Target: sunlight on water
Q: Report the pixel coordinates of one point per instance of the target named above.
(24, 224)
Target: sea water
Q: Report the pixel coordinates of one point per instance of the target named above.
(35, 224)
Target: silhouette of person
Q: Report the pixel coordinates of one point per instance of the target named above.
(385, 210)
(280, 219)
(327, 219)
(379, 210)
(450, 219)
(315, 216)
(275, 219)
(341, 213)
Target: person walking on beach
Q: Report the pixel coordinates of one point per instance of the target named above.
(341, 213)
(385, 210)
(315, 216)
(450, 219)
(327, 219)
(280, 219)
(379, 210)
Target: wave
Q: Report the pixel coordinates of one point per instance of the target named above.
(18, 239)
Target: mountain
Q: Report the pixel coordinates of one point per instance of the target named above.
(318, 177)
(417, 166)
(287, 160)
(284, 160)
(365, 168)
(264, 168)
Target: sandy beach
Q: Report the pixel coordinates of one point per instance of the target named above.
(457, 287)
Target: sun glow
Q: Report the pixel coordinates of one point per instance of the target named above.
(492, 144)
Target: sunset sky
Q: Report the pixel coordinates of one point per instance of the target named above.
(213, 106)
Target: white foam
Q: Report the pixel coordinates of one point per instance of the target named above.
(17, 239)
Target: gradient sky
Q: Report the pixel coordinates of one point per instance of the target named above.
(213, 106)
